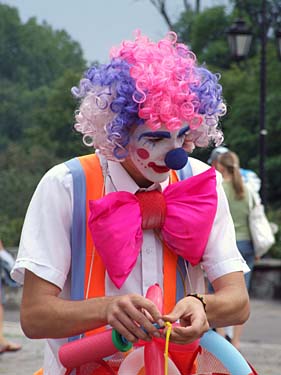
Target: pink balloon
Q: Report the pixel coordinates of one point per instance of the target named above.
(153, 359)
(154, 293)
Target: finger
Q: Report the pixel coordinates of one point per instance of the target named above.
(194, 331)
(129, 329)
(152, 312)
(136, 322)
(123, 331)
(144, 325)
(184, 335)
(148, 316)
(174, 315)
(172, 318)
(198, 321)
(145, 320)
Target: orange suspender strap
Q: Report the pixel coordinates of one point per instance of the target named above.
(94, 285)
(94, 268)
(170, 270)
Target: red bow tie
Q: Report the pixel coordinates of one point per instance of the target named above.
(184, 213)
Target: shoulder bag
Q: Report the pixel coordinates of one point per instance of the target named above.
(261, 232)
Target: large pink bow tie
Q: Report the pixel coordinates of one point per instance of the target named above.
(116, 222)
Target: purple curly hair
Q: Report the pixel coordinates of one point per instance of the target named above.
(152, 83)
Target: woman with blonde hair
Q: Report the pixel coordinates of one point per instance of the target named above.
(238, 195)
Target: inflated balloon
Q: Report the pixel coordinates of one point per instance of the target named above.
(230, 357)
(134, 364)
(154, 293)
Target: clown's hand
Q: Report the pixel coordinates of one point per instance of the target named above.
(190, 313)
(126, 315)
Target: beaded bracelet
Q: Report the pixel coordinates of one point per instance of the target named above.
(199, 297)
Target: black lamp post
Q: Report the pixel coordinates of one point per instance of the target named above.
(239, 38)
(278, 41)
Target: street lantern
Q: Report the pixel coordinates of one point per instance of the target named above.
(239, 39)
(278, 41)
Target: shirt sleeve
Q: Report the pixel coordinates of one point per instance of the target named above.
(221, 255)
(45, 241)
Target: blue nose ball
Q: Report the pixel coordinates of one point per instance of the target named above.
(176, 159)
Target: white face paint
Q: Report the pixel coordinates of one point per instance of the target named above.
(147, 150)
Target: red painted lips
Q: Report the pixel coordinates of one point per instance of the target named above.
(158, 168)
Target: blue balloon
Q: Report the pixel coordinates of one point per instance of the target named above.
(229, 356)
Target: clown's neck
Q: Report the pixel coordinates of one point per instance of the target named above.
(139, 179)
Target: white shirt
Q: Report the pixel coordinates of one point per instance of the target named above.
(45, 242)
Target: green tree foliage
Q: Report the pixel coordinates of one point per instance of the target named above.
(205, 34)
(34, 55)
(241, 125)
(38, 67)
(53, 127)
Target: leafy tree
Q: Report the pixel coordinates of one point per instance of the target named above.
(241, 125)
(38, 66)
(9, 40)
(32, 58)
(53, 125)
(33, 54)
(11, 111)
(205, 33)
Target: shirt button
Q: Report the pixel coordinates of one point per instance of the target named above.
(148, 250)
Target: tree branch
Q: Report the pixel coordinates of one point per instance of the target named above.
(160, 5)
(186, 5)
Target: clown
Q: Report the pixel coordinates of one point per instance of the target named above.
(101, 229)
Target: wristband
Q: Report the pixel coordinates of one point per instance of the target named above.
(199, 297)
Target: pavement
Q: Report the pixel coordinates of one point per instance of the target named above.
(261, 342)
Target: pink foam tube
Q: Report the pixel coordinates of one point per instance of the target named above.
(90, 349)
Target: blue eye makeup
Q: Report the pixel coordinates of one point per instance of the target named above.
(183, 131)
(152, 141)
(157, 134)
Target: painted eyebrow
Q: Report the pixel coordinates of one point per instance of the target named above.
(162, 134)
(183, 130)
(159, 134)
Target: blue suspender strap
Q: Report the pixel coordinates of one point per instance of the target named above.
(185, 172)
(181, 276)
(78, 232)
